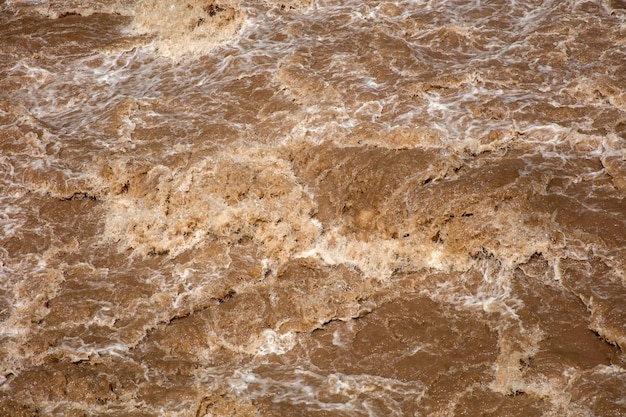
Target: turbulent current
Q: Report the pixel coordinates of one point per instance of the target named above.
(312, 208)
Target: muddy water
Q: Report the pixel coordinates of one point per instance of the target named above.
(312, 208)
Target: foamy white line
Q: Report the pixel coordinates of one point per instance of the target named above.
(304, 387)
(377, 259)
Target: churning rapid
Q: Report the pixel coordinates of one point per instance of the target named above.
(312, 208)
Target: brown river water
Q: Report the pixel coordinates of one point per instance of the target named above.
(312, 208)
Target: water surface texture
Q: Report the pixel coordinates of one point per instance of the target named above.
(312, 208)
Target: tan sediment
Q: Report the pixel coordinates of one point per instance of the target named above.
(188, 28)
(349, 209)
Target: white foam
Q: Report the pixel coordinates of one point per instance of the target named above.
(337, 339)
(305, 387)
(274, 343)
(80, 98)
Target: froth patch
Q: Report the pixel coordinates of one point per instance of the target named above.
(290, 4)
(188, 28)
(179, 28)
(156, 209)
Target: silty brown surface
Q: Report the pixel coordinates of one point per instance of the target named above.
(312, 208)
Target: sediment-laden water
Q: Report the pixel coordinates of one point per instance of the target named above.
(312, 208)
